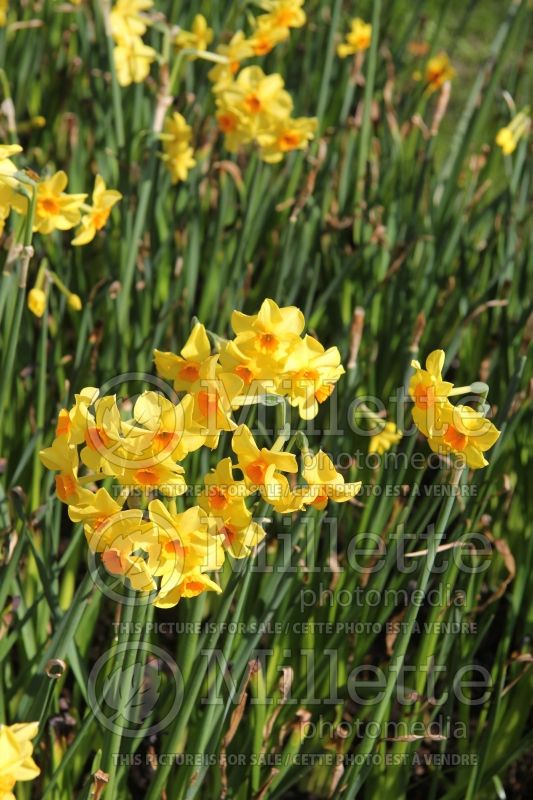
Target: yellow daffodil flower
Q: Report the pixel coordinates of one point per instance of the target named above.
(199, 38)
(463, 431)
(63, 458)
(237, 50)
(181, 548)
(269, 335)
(16, 762)
(311, 373)
(54, 209)
(438, 71)
(177, 152)
(286, 135)
(324, 482)
(507, 138)
(255, 100)
(385, 439)
(133, 60)
(266, 36)
(37, 302)
(263, 468)
(357, 39)
(170, 427)
(184, 370)
(283, 13)
(127, 20)
(97, 215)
(428, 390)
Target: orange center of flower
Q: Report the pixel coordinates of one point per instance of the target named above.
(112, 560)
(256, 471)
(100, 218)
(268, 342)
(244, 374)
(234, 66)
(320, 501)
(176, 547)
(194, 586)
(147, 477)
(217, 498)
(190, 372)
(48, 206)
(208, 403)
(289, 140)
(262, 46)
(253, 103)
(455, 438)
(162, 440)
(424, 396)
(97, 439)
(227, 123)
(65, 487)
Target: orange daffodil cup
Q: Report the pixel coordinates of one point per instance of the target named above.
(457, 430)
(137, 525)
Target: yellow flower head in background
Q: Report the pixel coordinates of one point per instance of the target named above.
(266, 36)
(438, 71)
(508, 137)
(177, 155)
(127, 21)
(387, 437)
(237, 50)
(56, 210)
(357, 39)
(16, 762)
(9, 196)
(286, 135)
(97, 215)
(199, 38)
(37, 302)
(133, 60)
(282, 13)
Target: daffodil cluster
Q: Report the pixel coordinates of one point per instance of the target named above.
(55, 209)
(122, 476)
(128, 23)
(450, 429)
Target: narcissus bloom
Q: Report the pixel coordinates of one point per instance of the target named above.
(324, 482)
(269, 335)
(184, 370)
(16, 762)
(465, 432)
(181, 549)
(282, 13)
(127, 20)
(357, 39)
(237, 50)
(96, 215)
(266, 36)
(507, 138)
(37, 302)
(56, 210)
(133, 59)
(262, 468)
(428, 390)
(311, 373)
(385, 439)
(253, 102)
(177, 152)
(199, 38)
(438, 71)
(286, 135)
